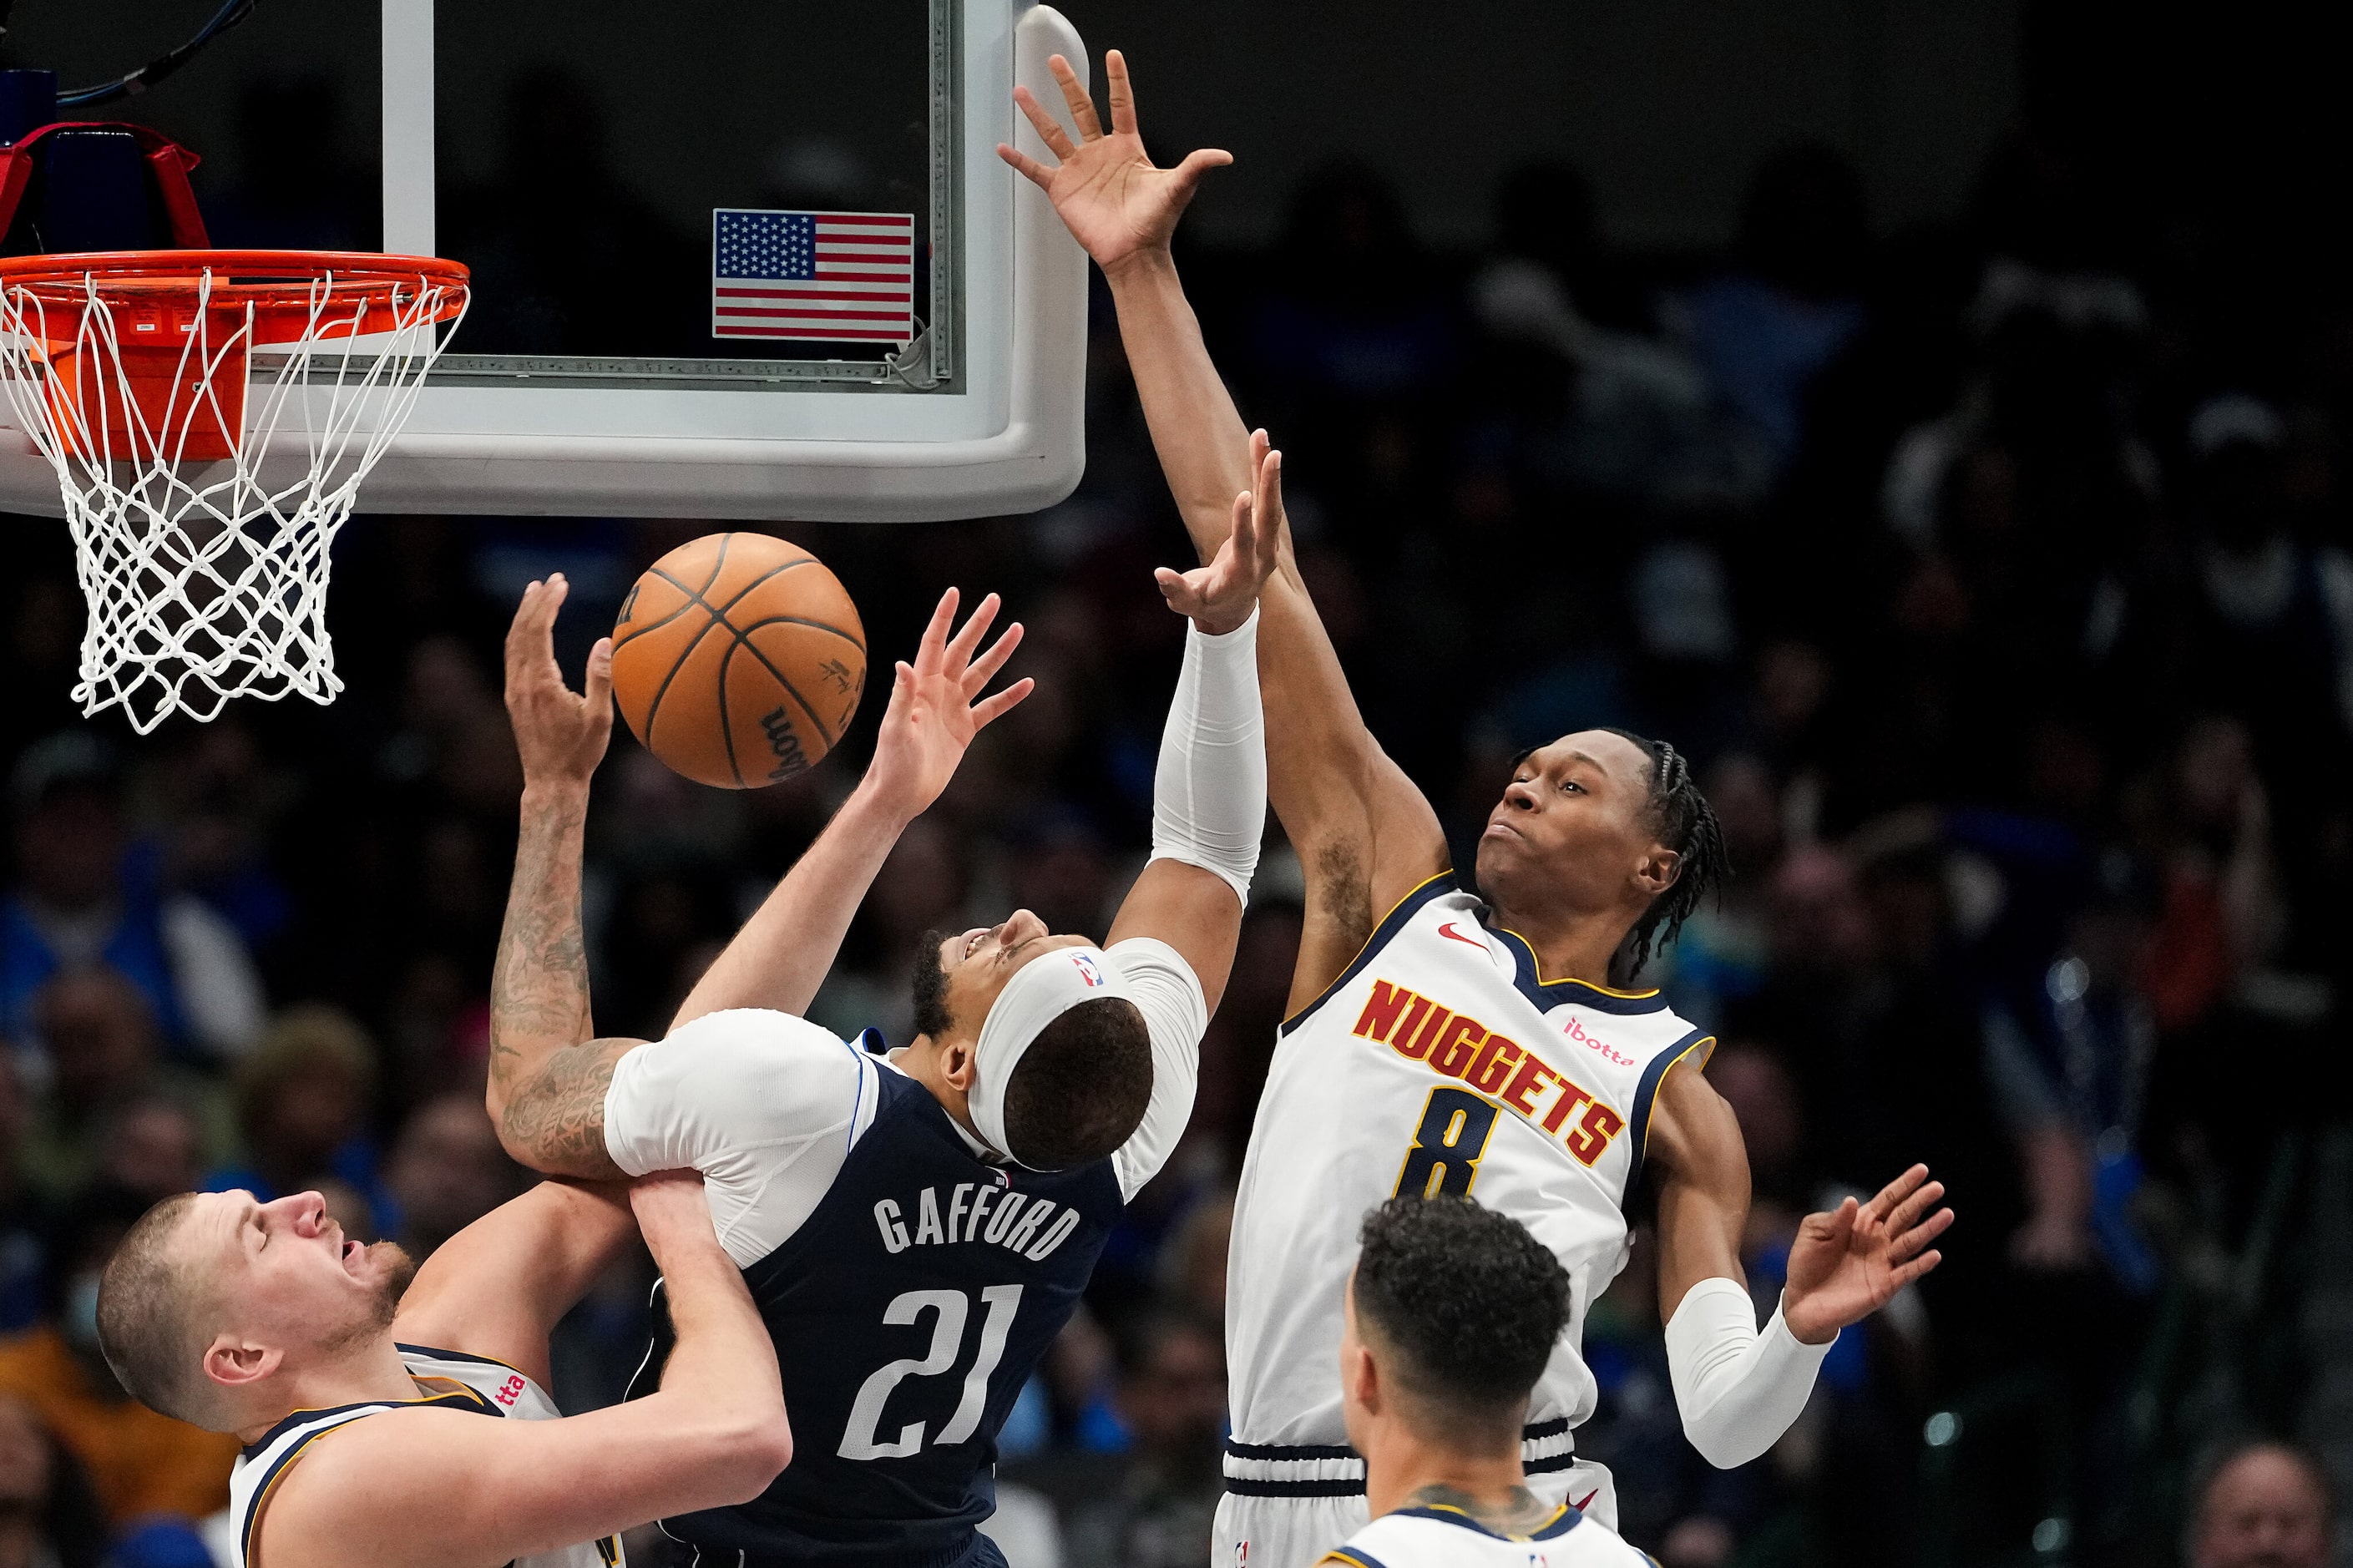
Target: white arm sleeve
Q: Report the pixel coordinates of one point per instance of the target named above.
(1177, 1015)
(1208, 795)
(764, 1104)
(1738, 1390)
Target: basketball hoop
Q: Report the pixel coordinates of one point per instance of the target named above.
(157, 385)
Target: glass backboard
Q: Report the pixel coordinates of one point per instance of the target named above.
(729, 260)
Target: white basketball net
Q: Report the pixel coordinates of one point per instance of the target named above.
(212, 583)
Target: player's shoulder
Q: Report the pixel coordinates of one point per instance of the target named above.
(763, 1029)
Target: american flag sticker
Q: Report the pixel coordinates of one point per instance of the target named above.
(845, 276)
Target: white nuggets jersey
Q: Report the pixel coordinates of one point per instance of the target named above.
(1449, 1538)
(445, 1378)
(1438, 1062)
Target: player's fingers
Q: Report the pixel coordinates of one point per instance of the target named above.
(1188, 174)
(1896, 1190)
(1244, 540)
(1050, 129)
(1006, 701)
(932, 649)
(1909, 1211)
(1914, 1270)
(1036, 173)
(1121, 93)
(597, 690)
(1920, 1235)
(976, 626)
(1842, 1220)
(983, 668)
(519, 629)
(1082, 108)
(1269, 543)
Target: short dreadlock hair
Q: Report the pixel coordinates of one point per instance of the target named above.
(1685, 824)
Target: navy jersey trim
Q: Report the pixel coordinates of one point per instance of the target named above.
(1559, 1525)
(459, 1356)
(1290, 1451)
(460, 1395)
(301, 1417)
(1647, 1092)
(1353, 1557)
(1342, 1486)
(1391, 923)
(1241, 1487)
(1549, 994)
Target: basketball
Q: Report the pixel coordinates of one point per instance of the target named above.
(738, 659)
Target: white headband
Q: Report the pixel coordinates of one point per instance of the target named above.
(1041, 990)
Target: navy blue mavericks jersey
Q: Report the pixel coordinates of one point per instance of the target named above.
(908, 1310)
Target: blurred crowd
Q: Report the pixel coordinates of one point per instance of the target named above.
(1996, 574)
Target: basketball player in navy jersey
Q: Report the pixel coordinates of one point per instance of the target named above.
(915, 1227)
(1446, 1041)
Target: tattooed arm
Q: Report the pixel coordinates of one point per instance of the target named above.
(547, 1076)
(554, 1120)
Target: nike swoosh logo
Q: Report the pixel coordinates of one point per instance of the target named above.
(1448, 930)
(1579, 1503)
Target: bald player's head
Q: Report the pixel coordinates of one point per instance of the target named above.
(215, 1302)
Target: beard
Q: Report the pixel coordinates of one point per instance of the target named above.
(393, 1270)
(928, 986)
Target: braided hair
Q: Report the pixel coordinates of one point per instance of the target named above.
(1685, 824)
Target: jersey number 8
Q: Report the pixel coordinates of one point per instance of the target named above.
(1447, 1145)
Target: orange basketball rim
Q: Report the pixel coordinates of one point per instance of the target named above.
(145, 351)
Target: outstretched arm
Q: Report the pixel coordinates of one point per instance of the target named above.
(1364, 832)
(549, 1080)
(1738, 1388)
(539, 986)
(433, 1486)
(781, 956)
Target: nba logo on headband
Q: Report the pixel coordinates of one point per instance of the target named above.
(1087, 970)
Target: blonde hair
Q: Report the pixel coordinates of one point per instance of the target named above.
(149, 1304)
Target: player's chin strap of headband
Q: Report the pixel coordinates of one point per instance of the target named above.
(1041, 991)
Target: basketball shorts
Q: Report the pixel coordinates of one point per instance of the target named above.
(1293, 1532)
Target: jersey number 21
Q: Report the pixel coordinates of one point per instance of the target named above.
(858, 1438)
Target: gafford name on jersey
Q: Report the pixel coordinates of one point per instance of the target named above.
(976, 1211)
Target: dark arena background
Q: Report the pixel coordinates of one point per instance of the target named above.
(1932, 416)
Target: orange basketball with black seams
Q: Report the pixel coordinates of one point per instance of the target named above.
(738, 659)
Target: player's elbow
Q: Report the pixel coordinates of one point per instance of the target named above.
(1719, 1446)
(749, 1454)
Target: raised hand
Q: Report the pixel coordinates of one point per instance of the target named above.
(1117, 203)
(561, 734)
(1845, 1265)
(935, 707)
(1219, 596)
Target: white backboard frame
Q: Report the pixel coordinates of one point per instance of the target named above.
(1007, 436)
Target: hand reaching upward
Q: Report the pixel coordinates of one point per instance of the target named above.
(561, 734)
(1845, 1265)
(1107, 188)
(934, 712)
(1219, 596)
